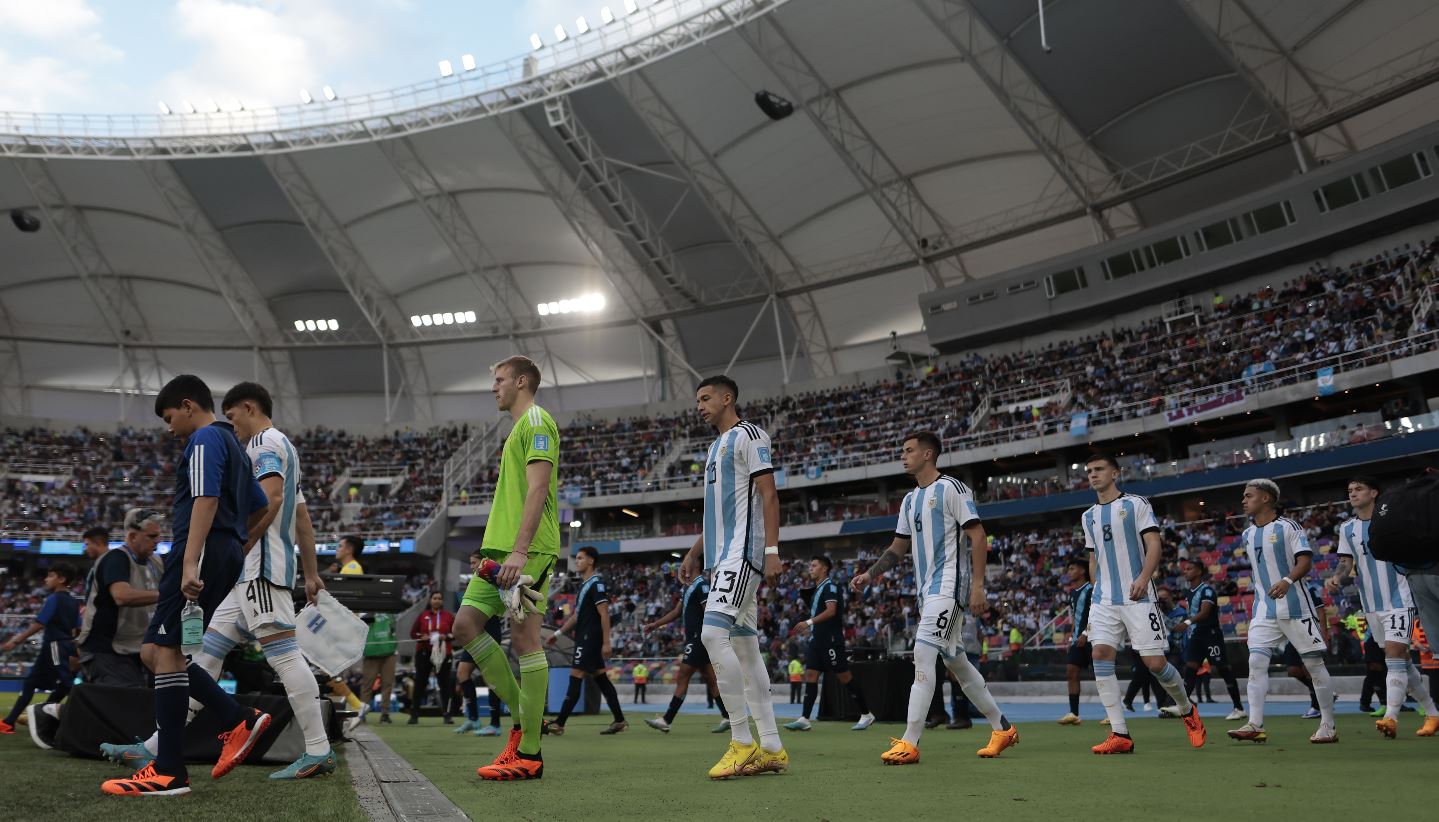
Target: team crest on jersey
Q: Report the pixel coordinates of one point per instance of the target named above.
(542, 442)
(1124, 513)
(763, 454)
(1273, 537)
(933, 502)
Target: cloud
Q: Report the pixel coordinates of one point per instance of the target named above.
(260, 52)
(47, 19)
(41, 83)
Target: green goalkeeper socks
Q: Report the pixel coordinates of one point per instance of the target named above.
(495, 667)
(534, 685)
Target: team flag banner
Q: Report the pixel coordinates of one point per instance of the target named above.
(1326, 381)
(1079, 424)
(1214, 405)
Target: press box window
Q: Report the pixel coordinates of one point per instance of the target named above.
(1063, 282)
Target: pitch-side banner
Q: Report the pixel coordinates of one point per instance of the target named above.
(1208, 408)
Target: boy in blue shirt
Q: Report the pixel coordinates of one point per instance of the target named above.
(58, 618)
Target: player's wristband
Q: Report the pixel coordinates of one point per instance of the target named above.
(771, 550)
(809, 622)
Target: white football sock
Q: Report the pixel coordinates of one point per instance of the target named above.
(971, 681)
(1259, 684)
(301, 689)
(921, 693)
(1396, 682)
(1107, 684)
(729, 676)
(756, 690)
(1323, 687)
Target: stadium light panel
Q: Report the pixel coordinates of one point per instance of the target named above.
(189, 107)
(425, 319)
(543, 309)
(310, 325)
(536, 43)
(333, 324)
(468, 61)
(554, 307)
(581, 25)
(328, 92)
(574, 523)
(236, 105)
(448, 318)
(560, 35)
(212, 106)
(470, 317)
(606, 16)
(415, 320)
(305, 96)
(631, 7)
(446, 69)
(299, 325)
(164, 109)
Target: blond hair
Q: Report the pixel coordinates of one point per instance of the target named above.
(520, 366)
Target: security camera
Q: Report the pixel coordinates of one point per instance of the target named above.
(24, 221)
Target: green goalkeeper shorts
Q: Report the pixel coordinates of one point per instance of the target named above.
(486, 597)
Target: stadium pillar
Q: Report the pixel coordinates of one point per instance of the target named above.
(1281, 423)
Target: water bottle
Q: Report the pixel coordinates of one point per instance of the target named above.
(192, 629)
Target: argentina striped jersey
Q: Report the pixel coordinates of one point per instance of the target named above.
(934, 518)
(273, 557)
(1114, 531)
(1273, 549)
(734, 515)
(1381, 586)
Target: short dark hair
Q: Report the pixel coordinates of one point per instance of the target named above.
(252, 391)
(96, 532)
(590, 551)
(823, 560)
(1081, 562)
(720, 381)
(521, 366)
(65, 571)
(1366, 480)
(927, 439)
(357, 545)
(1102, 456)
(184, 387)
(1203, 569)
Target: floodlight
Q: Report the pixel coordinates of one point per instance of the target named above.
(536, 43)
(213, 106)
(469, 316)
(446, 69)
(305, 96)
(606, 16)
(631, 6)
(468, 61)
(310, 325)
(581, 25)
(543, 309)
(164, 109)
(299, 325)
(554, 307)
(425, 319)
(333, 324)
(560, 34)
(774, 106)
(189, 107)
(328, 92)
(448, 318)
(236, 105)
(415, 320)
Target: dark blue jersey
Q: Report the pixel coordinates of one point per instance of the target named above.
(591, 598)
(61, 616)
(692, 608)
(1079, 600)
(1202, 593)
(214, 465)
(827, 592)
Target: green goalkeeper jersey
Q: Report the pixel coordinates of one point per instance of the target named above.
(535, 437)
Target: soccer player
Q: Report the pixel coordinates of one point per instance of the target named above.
(690, 607)
(216, 495)
(1124, 552)
(940, 520)
(1281, 558)
(58, 619)
(1081, 654)
(1205, 640)
(826, 645)
(523, 535)
(261, 607)
(590, 623)
(1388, 607)
(740, 540)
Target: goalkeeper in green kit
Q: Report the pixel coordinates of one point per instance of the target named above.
(521, 546)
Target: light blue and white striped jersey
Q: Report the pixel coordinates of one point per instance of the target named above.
(1381, 586)
(1273, 550)
(734, 514)
(273, 557)
(934, 518)
(1114, 531)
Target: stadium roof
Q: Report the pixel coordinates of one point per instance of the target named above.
(932, 141)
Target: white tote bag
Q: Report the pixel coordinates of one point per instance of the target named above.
(331, 637)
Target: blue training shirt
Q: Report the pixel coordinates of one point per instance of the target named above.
(214, 465)
(61, 616)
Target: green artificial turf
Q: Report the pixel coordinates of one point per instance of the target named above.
(836, 774)
(45, 786)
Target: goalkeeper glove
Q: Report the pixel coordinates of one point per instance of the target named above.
(521, 600)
